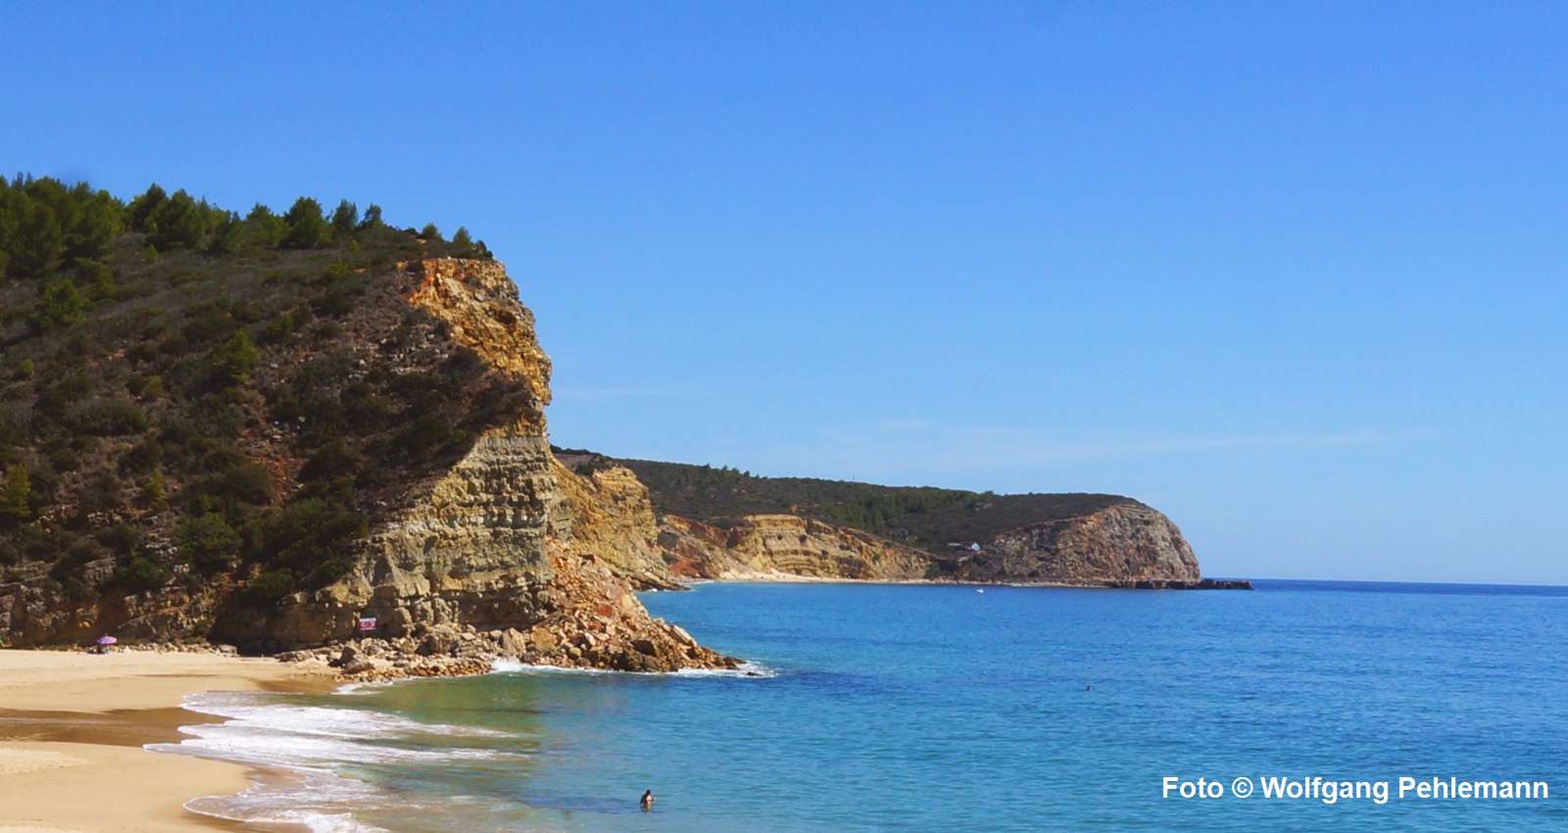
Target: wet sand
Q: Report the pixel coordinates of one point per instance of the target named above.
(72, 726)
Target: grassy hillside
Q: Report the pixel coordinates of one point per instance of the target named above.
(189, 396)
(925, 517)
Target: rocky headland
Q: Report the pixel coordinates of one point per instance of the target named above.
(724, 525)
(501, 553)
(330, 443)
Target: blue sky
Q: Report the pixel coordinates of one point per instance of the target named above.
(1293, 273)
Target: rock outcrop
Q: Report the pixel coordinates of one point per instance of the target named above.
(507, 538)
(32, 615)
(783, 546)
(1126, 544)
(724, 523)
(1120, 545)
(612, 520)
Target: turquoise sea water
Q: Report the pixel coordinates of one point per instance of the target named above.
(923, 708)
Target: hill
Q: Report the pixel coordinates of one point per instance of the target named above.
(920, 516)
(261, 428)
(168, 366)
(725, 523)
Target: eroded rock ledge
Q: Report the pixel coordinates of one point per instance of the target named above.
(599, 624)
(463, 650)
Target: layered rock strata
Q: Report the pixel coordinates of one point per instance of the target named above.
(1122, 544)
(612, 519)
(599, 625)
(506, 539)
(1126, 544)
(783, 546)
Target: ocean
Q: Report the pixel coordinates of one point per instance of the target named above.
(942, 708)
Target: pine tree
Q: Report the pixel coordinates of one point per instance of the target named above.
(228, 236)
(345, 219)
(39, 243)
(59, 305)
(372, 219)
(234, 359)
(16, 494)
(97, 222)
(177, 222)
(155, 493)
(141, 208)
(208, 542)
(462, 241)
(265, 227)
(307, 229)
(10, 220)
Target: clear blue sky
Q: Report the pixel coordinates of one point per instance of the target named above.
(1293, 273)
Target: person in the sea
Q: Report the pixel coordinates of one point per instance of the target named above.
(647, 801)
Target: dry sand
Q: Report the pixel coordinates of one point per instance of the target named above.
(72, 726)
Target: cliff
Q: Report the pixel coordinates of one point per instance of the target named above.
(1124, 544)
(726, 524)
(783, 546)
(613, 521)
(390, 461)
(469, 544)
(259, 431)
(506, 538)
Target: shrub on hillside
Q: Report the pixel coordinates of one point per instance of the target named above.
(140, 575)
(108, 418)
(208, 542)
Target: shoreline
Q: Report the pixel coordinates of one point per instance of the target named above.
(793, 578)
(73, 726)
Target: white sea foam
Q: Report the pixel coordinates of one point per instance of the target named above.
(312, 746)
(247, 710)
(270, 748)
(310, 820)
(328, 799)
(305, 746)
(368, 687)
(746, 669)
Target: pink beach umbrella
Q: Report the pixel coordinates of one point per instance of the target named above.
(107, 640)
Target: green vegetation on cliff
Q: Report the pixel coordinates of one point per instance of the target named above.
(920, 516)
(189, 396)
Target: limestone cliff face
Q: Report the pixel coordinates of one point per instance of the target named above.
(774, 546)
(1123, 544)
(506, 537)
(473, 549)
(612, 520)
(479, 302)
(30, 615)
(468, 547)
(1126, 544)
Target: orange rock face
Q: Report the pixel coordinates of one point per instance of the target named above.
(479, 302)
(507, 538)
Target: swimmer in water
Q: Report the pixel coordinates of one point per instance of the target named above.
(647, 801)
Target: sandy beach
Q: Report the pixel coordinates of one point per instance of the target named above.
(72, 726)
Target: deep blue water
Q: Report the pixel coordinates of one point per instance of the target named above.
(926, 708)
